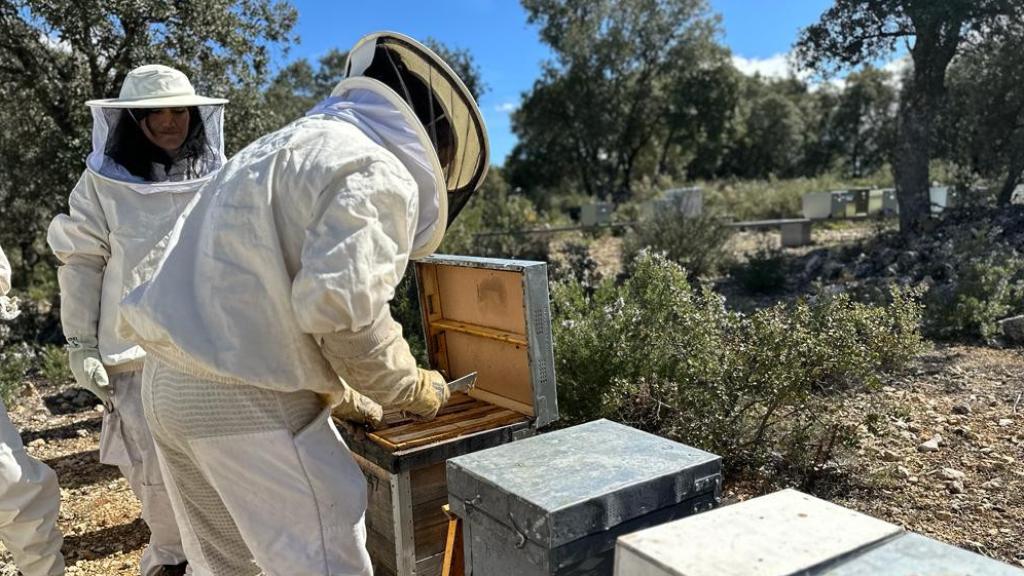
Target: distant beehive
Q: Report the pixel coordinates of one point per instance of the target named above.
(941, 197)
(596, 213)
(688, 201)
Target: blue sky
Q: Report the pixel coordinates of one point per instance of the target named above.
(507, 49)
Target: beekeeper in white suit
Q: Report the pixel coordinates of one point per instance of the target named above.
(29, 495)
(154, 146)
(275, 294)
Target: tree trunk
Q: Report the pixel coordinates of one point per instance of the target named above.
(1010, 183)
(923, 96)
(911, 166)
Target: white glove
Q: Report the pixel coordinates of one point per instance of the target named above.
(84, 358)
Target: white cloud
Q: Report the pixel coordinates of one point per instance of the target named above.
(775, 67)
(55, 43)
(507, 107)
(899, 67)
(780, 66)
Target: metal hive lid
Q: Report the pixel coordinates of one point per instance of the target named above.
(565, 485)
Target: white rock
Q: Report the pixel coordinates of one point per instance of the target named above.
(993, 484)
(951, 474)
(889, 456)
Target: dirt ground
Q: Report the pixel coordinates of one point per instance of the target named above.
(969, 491)
(99, 515)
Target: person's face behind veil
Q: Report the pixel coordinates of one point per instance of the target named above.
(166, 128)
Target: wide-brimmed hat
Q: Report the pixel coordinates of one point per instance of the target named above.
(156, 86)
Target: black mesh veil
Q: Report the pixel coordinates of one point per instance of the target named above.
(441, 102)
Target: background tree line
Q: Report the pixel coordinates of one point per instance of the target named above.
(637, 91)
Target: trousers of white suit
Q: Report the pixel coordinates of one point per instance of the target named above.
(29, 506)
(126, 442)
(260, 480)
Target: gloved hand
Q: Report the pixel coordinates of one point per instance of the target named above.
(430, 395)
(354, 407)
(84, 358)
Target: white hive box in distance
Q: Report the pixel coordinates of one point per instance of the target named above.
(817, 205)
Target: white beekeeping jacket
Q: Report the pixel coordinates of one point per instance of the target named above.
(306, 231)
(117, 227)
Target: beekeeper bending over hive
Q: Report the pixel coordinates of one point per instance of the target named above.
(29, 495)
(274, 294)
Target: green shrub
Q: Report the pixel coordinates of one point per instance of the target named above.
(986, 287)
(763, 273)
(15, 362)
(53, 365)
(760, 390)
(405, 309)
(698, 244)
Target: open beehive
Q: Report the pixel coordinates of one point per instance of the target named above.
(485, 315)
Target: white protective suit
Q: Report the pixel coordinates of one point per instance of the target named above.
(273, 293)
(316, 224)
(29, 495)
(5, 274)
(110, 242)
(304, 233)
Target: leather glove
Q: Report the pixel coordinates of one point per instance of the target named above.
(84, 358)
(430, 395)
(354, 407)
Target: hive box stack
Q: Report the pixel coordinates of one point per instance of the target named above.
(555, 503)
(597, 213)
(789, 533)
(485, 315)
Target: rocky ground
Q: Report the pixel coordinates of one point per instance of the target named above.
(947, 459)
(99, 515)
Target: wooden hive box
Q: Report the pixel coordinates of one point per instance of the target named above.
(479, 314)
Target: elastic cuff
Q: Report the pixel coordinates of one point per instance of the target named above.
(356, 344)
(83, 341)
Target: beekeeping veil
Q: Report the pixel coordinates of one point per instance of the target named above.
(146, 89)
(408, 99)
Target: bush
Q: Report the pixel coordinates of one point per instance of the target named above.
(987, 285)
(15, 362)
(763, 273)
(697, 244)
(53, 365)
(763, 389)
(405, 309)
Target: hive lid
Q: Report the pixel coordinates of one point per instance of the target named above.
(491, 316)
(784, 533)
(562, 486)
